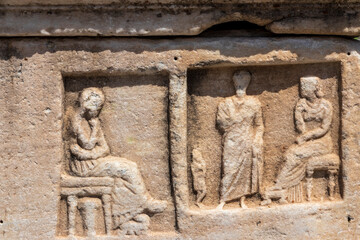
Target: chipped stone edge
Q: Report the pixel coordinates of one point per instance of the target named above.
(163, 20)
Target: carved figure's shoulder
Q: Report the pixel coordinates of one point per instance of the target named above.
(301, 103)
(325, 103)
(254, 102)
(225, 102)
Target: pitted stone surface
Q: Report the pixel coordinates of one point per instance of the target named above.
(174, 18)
(159, 112)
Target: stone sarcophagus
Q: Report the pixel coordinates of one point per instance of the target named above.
(245, 131)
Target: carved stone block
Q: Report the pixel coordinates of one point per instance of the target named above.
(187, 138)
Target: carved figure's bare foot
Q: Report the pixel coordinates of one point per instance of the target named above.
(283, 201)
(242, 203)
(137, 226)
(265, 202)
(156, 206)
(266, 198)
(274, 193)
(220, 206)
(244, 206)
(200, 197)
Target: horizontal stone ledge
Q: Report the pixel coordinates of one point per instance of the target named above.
(146, 2)
(329, 26)
(319, 18)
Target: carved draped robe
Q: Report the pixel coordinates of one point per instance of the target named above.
(240, 120)
(129, 194)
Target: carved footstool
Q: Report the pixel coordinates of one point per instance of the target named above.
(329, 163)
(79, 191)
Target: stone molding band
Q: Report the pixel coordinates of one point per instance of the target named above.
(324, 18)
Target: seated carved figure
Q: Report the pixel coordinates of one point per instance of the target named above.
(313, 117)
(91, 158)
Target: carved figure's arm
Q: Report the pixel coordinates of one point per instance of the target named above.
(100, 150)
(259, 133)
(83, 154)
(223, 118)
(103, 144)
(257, 147)
(299, 120)
(89, 147)
(85, 140)
(325, 125)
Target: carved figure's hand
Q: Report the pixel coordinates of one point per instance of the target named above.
(74, 148)
(257, 151)
(95, 128)
(94, 123)
(300, 140)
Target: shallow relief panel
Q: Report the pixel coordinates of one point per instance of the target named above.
(267, 135)
(115, 177)
(180, 129)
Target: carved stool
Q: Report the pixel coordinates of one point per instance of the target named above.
(87, 207)
(329, 163)
(74, 188)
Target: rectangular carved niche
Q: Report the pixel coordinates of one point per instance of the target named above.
(277, 89)
(134, 120)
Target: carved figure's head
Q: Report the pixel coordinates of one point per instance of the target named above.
(310, 88)
(241, 82)
(91, 102)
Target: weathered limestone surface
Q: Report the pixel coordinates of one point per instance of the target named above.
(127, 2)
(172, 17)
(156, 103)
(175, 119)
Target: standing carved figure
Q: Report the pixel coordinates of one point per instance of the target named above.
(198, 170)
(313, 117)
(239, 118)
(91, 158)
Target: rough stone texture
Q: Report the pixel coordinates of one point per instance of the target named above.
(277, 88)
(168, 17)
(238, 133)
(40, 77)
(129, 2)
(331, 26)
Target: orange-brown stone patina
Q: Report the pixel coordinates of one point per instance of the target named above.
(237, 133)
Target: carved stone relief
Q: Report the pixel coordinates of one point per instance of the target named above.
(239, 136)
(198, 169)
(174, 120)
(95, 173)
(313, 148)
(164, 119)
(246, 138)
(239, 118)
